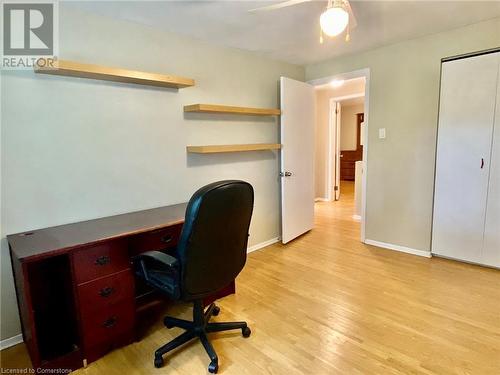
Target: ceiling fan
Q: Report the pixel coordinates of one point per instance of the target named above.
(337, 17)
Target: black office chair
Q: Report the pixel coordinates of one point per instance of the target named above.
(210, 254)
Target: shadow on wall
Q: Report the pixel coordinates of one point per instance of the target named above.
(228, 118)
(85, 82)
(199, 160)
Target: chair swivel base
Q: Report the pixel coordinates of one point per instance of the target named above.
(199, 328)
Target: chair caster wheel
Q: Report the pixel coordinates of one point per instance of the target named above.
(166, 323)
(246, 332)
(213, 367)
(158, 362)
(216, 311)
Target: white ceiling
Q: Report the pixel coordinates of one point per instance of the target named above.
(292, 34)
(349, 86)
(353, 101)
(351, 92)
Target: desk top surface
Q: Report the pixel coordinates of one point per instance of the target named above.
(43, 242)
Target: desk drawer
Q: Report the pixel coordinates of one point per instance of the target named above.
(101, 260)
(159, 239)
(98, 294)
(106, 324)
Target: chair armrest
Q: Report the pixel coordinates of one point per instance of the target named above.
(159, 257)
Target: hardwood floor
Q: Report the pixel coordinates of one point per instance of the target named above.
(327, 304)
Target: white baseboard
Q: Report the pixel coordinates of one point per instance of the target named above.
(403, 249)
(262, 244)
(321, 200)
(11, 341)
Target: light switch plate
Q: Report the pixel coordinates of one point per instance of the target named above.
(381, 133)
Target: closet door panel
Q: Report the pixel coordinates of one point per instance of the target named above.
(467, 106)
(491, 249)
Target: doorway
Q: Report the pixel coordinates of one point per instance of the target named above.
(345, 141)
(340, 141)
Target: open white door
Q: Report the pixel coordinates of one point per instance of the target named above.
(297, 158)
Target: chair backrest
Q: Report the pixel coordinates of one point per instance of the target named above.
(213, 245)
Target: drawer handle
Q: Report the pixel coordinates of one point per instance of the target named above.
(106, 292)
(102, 260)
(110, 322)
(168, 238)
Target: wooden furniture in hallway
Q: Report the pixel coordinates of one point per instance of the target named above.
(77, 295)
(348, 158)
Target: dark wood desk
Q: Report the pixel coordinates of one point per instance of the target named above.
(77, 295)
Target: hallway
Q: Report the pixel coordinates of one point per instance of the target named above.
(341, 212)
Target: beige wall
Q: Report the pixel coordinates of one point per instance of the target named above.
(349, 126)
(75, 149)
(321, 143)
(404, 92)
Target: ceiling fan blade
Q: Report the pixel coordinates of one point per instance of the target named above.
(284, 4)
(352, 19)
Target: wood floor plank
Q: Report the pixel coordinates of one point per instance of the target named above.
(328, 304)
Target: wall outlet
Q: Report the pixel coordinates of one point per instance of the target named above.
(381, 133)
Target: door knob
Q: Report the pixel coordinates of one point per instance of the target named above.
(285, 174)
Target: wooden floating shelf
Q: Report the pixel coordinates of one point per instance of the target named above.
(215, 108)
(75, 69)
(232, 148)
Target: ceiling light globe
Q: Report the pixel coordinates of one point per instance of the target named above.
(333, 21)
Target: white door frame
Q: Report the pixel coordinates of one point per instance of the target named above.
(331, 163)
(333, 131)
(345, 76)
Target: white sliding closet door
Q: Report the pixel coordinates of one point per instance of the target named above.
(466, 115)
(491, 249)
